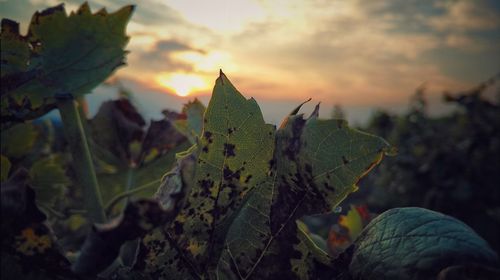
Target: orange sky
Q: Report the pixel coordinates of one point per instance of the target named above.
(349, 52)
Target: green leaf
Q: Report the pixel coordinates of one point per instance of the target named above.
(49, 180)
(18, 140)
(114, 184)
(161, 137)
(15, 50)
(232, 158)
(5, 165)
(314, 262)
(192, 125)
(60, 54)
(250, 186)
(115, 126)
(416, 243)
(318, 163)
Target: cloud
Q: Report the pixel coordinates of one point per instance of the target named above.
(463, 16)
(170, 45)
(469, 43)
(160, 57)
(345, 51)
(369, 51)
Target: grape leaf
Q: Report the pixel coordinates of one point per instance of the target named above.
(115, 126)
(138, 157)
(18, 140)
(60, 54)
(318, 163)
(192, 125)
(251, 184)
(15, 50)
(49, 180)
(161, 137)
(416, 243)
(232, 157)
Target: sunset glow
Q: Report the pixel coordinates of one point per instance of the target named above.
(359, 54)
(182, 84)
(206, 62)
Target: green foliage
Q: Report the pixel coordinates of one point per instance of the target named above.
(192, 125)
(250, 184)
(29, 248)
(61, 54)
(416, 243)
(134, 155)
(18, 140)
(49, 180)
(447, 164)
(5, 165)
(230, 207)
(115, 126)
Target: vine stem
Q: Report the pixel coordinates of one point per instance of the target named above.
(82, 158)
(129, 193)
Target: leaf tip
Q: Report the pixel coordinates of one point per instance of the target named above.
(315, 112)
(130, 8)
(222, 76)
(296, 110)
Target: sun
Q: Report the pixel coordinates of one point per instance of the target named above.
(182, 84)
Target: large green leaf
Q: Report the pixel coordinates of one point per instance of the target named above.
(318, 163)
(416, 243)
(251, 184)
(232, 158)
(61, 54)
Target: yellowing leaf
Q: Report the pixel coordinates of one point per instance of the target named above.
(353, 222)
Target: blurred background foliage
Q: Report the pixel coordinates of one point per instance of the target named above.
(449, 163)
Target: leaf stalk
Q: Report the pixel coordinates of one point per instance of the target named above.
(82, 158)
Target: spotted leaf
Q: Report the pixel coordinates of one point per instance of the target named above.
(251, 183)
(316, 164)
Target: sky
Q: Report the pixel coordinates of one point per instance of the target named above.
(362, 55)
